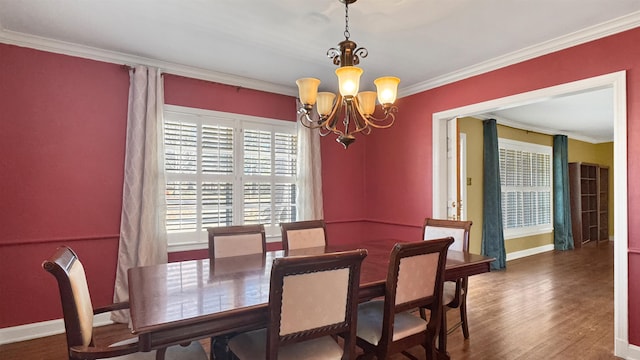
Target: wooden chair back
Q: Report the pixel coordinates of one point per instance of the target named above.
(439, 228)
(74, 295)
(303, 234)
(78, 314)
(415, 279)
(227, 241)
(314, 296)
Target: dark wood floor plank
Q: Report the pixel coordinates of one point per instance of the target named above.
(555, 305)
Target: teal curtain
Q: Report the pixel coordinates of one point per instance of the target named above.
(492, 234)
(562, 234)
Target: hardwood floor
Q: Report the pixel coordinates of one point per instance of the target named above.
(556, 305)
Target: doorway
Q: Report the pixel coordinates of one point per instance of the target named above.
(616, 81)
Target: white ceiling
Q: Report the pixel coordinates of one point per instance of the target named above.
(268, 44)
(586, 116)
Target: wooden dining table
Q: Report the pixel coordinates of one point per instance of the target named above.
(184, 301)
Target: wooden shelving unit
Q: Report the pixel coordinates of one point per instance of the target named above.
(589, 194)
(603, 203)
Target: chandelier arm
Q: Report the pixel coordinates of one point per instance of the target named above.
(389, 116)
(334, 55)
(360, 119)
(361, 52)
(332, 119)
(307, 121)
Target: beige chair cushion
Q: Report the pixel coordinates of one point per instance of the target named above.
(416, 277)
(435, 232)
(304, 238)
(81, 296)
(237, 245)
(253, 346)
(370, 316)
(313, 300)
(449, 292)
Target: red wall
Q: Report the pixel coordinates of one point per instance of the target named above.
(62, 132)
(62, 140)
(398, 160)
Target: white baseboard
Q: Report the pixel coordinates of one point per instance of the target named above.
(627, 351)
(528, 252)
(44, 328)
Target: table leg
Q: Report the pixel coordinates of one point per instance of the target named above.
(219, 348)
(160, 353)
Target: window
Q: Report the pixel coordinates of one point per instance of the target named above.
(226, 169)
(526, 185)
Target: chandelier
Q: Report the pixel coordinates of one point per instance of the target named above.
(355, 108)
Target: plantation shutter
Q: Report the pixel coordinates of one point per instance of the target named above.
(227, 170)
(285, 170)
(525, 177)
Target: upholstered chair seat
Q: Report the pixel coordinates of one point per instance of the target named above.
(448, 292)
(414, 280)
(370, 315)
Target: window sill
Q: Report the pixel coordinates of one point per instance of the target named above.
(526, 233)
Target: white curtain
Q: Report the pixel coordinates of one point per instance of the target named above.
(143, 238)
(309, 175)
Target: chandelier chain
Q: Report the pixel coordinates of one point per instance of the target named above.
(346, 20)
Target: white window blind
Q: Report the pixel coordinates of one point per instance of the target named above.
(226, 169)
(526, 185)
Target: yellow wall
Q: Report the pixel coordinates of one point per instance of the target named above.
(473, 129)
(578, 151)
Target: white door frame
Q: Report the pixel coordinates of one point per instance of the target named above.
(617, 81)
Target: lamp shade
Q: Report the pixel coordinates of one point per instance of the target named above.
(325, 103)
(308, 90)
(387, 89)
(367, 102)
(348, 80)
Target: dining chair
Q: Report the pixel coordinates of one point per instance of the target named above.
(312, 301)
(455, 292)
(238, 240)
(303, 234)
(230, 241)
(78, 314)
(414, 280)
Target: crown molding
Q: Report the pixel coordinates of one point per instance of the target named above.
(88, 52)
(595, 32)
(528, 127)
